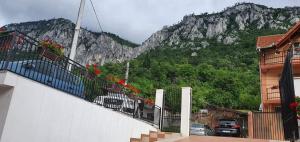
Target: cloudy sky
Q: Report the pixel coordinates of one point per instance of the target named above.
(134, 20)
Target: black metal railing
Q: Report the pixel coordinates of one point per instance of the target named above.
(24, 56)
(278, 57)
(274, 57)
(273, 93)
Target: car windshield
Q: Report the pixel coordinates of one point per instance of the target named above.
(227, 122)
(197, 125)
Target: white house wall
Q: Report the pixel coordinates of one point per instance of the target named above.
(5, 97)
(39, 113)
(297, 86)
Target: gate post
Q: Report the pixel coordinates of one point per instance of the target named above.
(250, 124)
(158, 116)
(185, 111)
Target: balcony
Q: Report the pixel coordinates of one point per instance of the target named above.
(275, 59)
(273, 95)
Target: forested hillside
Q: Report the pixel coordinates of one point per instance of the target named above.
(222, 75)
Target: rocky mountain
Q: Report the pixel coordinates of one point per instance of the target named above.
(215, 54)
(223, 27)
(92, 47)
(194, 31)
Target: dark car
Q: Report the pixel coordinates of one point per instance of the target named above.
(228, 127)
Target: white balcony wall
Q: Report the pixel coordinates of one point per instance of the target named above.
(38, 113)
(297, 86)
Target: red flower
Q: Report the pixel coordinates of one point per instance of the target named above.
(149, 101)
(87, 66)
(122, 82)
(95, 66)
(293, 105)
(97, 71)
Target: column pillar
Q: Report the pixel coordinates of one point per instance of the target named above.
(185, 111)
(159, 96)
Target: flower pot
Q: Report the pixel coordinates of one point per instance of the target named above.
(91, 75)
(48, 54)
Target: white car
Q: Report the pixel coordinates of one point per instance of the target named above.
(116, 101)
(200, 130)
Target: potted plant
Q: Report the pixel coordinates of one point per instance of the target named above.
(149, 103)
(93, 71)
(51, 50)
(295, 106)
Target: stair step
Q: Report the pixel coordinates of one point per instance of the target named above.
(160, 135)
(170, 137)
(153, 134)
(145, 138)
(152, 139)
(135, 140)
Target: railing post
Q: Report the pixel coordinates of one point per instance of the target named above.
(185, 111)
(159, 96)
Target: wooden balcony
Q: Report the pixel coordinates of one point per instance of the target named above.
(273, 95)
(275, 60)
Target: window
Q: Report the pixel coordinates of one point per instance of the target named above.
(297, 48)
(297, 86)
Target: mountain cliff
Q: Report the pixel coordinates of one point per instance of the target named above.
(224, 26)
(213, 53)
(92, 47)
(193, 32)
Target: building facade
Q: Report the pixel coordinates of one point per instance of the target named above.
(272, 52)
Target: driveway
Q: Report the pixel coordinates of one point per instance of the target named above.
(220, 139)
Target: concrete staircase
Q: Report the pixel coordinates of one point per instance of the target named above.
(158, 137)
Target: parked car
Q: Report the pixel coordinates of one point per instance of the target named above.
(228, 127)
(47, 73)
(117, 101)
(200, 130)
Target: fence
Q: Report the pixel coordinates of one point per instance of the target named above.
(172, 110)
(274, 57)
(265, 125)
(273, 93)
(24, 56)
(278, 57)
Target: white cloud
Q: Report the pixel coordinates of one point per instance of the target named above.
(135, 20)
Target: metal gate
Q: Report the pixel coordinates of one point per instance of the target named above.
(287, 96)
(171, 110)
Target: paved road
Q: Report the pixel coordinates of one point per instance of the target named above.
(220, 139)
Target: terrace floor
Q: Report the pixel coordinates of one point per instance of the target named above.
(220, 139)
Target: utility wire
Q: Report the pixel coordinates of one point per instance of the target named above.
(99, 24)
